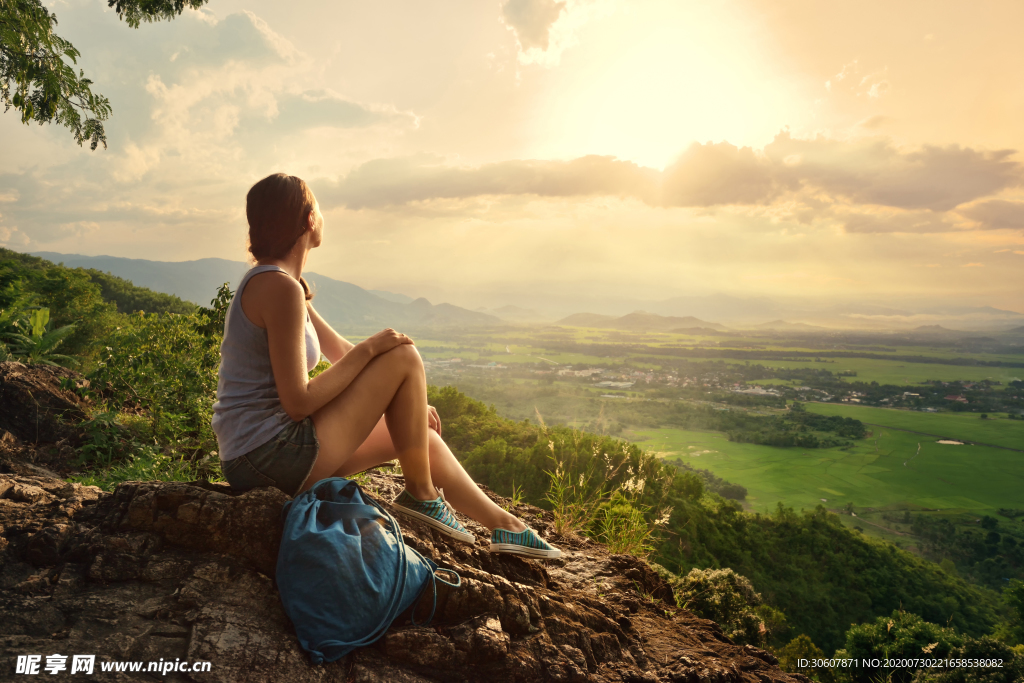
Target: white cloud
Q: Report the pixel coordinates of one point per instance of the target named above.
(13, 238)
(851, 79)
(878, 89)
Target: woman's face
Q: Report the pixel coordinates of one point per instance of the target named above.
(318, 224)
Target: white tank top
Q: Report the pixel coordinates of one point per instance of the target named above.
(248, 411)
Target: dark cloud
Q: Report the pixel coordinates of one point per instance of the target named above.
(531, 20)
(296, 112)
(869, 172)
(917, 221)
(388, 182)
(711, 174)
(875, 172)
(312, 109)
(997, 214)
(876, 121)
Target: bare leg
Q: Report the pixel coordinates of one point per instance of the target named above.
(392, 384)
(445, 471)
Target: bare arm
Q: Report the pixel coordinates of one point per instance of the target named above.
(279, 304)
(332, 344)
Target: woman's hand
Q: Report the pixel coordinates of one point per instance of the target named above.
(384, 341)
(433, 419)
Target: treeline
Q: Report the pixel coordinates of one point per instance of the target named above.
(130, 299)
(765, 354)
(990, 553)
(794, 427)
(713, 483)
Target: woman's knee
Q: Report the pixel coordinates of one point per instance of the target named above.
(406, 356)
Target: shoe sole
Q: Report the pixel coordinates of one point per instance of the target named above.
(513, 549)
(434, 524)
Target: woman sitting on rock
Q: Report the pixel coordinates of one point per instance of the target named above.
(277, 427)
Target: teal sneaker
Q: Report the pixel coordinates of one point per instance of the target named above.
(437, 514)
(526, 543)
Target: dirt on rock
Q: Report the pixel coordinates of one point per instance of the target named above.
(39, 420)
(185, 571)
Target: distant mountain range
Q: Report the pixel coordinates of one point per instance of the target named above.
(639, 321)
(342, 304)
(783, 326)
(345, 305)
(517, 314)
(766, 314)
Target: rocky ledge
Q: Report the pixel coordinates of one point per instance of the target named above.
(165, 570)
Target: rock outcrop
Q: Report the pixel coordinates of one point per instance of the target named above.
(171, 572)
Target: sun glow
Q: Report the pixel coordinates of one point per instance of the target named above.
(652, 77)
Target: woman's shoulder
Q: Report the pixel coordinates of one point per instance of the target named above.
(271, 290)
(274, 275)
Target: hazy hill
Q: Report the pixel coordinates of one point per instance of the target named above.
(934, 329)
(742, 313)
(784, 326)
(342, 304)
(642, 321)
(638, 321)
(516, 314)
(392, 296)
(718, 307)
(586, 320)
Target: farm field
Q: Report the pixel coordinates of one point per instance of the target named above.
(899, 372)
(576, 346)
(884, 471)
(997, 430)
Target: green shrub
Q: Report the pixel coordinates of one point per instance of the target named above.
(163, 365)
(624, 529)
(901, 636)
(728, 598)
(1011, 630)
(803, 648)
(148, 465)
(1010, 670)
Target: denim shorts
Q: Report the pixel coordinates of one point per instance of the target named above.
(283, 462)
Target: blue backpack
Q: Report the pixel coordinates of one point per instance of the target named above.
(344, 571)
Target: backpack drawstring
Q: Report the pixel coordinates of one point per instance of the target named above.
(433, 585)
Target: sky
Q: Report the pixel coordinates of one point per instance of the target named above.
(493, 152)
